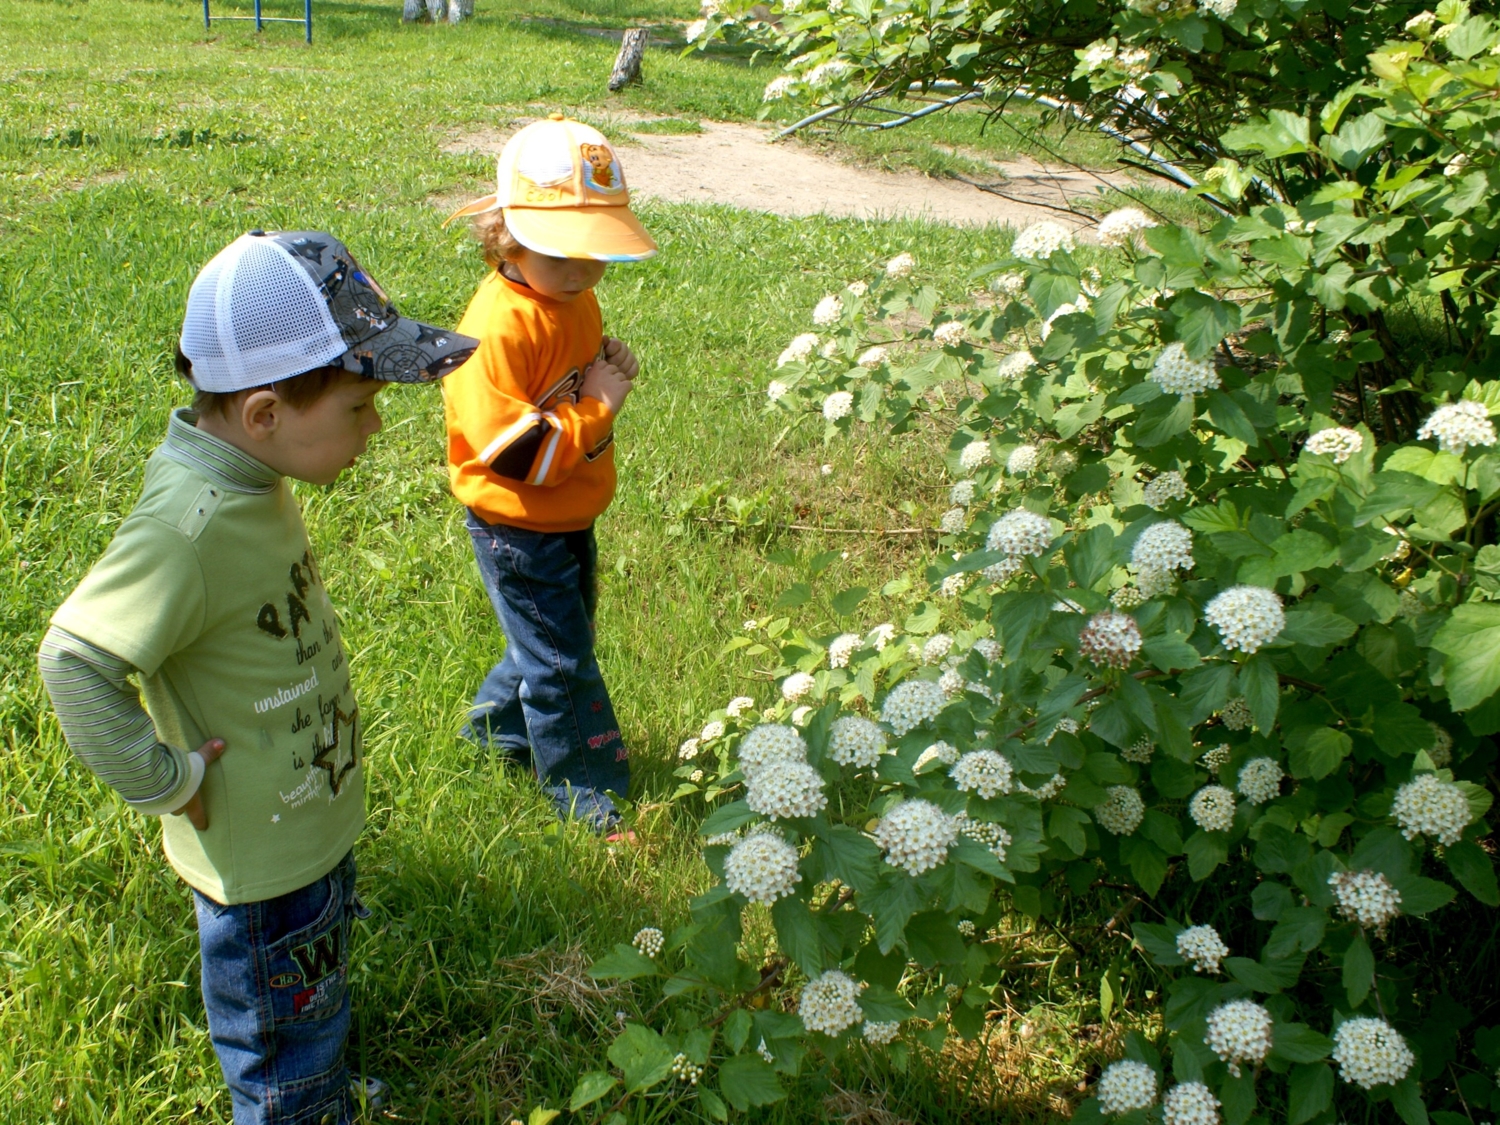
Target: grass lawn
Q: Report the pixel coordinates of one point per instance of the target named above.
(133, 147)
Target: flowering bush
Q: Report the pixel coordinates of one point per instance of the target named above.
(1231, 621)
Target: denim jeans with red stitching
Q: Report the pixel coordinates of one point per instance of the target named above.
(545, 701)
(276, 987)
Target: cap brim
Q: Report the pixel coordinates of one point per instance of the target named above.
(408, 351)
(478, 207)
(605, 234)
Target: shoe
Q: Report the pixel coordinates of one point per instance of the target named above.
(371, 1092)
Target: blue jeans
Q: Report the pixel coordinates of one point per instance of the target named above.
(276, 986)
(546, 698)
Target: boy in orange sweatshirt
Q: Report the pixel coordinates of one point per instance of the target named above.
(530, 452)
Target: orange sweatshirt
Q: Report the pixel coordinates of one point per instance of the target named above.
(523, 448)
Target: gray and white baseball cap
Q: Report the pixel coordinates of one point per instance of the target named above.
(275, 304)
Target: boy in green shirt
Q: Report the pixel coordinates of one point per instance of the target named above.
(210, 595)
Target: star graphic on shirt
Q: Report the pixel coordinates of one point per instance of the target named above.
(275, 818)
(338, 754)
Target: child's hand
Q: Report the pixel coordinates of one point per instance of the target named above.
(618, 352)
(193, 810)
(607, 383)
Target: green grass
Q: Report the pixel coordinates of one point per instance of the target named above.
(132, 148)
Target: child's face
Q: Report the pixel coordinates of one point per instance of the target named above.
(560, 279)
(321, 440)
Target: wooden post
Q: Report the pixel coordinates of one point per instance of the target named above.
(628, 61)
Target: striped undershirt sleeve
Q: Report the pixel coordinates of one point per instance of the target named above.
(107, 728)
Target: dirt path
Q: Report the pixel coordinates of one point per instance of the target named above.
(736, 165)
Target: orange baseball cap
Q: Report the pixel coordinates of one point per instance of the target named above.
(563, 192)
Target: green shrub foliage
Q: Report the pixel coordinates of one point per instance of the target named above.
(1222, 603)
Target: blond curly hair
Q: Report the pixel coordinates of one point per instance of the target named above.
(495, 239)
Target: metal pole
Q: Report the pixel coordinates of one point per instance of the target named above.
(307, 16)
(257, 15)
(205, 15)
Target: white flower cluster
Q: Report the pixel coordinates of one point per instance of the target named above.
(762, 867)
(1019, 533)
(1459, 425)
(828, 310)
(1040, 241)
(648, 941)
(1123, 811)
(785, 789)
(1110, 640)
(974, 456)
(1190, 1103)
(1154, 582)
(1236, 714)
(684, 1070)
(841, 648)
(954, 585)
(1067, 308)
(989, 648)
(1047, 790)
(1163, 546)
(952, 522)
(1179, 374)
(1239, 1032)
(966, 928)
(962, 494)
(1246, 617)
(712, 730)
(825, 73)
(1429, 806)
(912, 703)
(779, 87)
(1441, 751)
(740, 705)
(1116, 228)
(950, 333)
(1015, 365)
(1215, 758)
(1162, 490)
(937, 646)
(776, 390)
(688, 750)
(985, 832)
(1203, 946)
(872, 357)
(858, 288)
(838, 405)
(1370, 1053)
(984, 772)
(1260, 780)
(900, 266)
(1003, 571)
(943, 752)
(830, 1003)
(1127, 597)
(882, 635)
(952, 683)
(797, 685)
(1337, 442)
(769, 744)
(1212, 808)
(1022, 460)
(1139, 751)
(799, 349)
(916, 835)
(855, 741)
(878, 1033)
(1366, 897)
(1223, 9)
(1008, 283)
(1064, 461)
(1126, 1085)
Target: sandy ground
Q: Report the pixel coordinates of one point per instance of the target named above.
(738, 165)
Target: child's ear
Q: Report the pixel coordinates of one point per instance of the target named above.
(260, 413)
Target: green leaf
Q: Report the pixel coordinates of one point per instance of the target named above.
(846, 601)
(1148, 863)
(726, 818)
(642, 1055)
(1238, 1096)
(1278, 134)
(1230, 417)
(1394, 493)
(1470, 641)
(748, 1080)
(1205, 851)
(1309, 1093)
(1472, 867)
(591, 1087)
(1270, 900)
(1356, 139)
(1171, 652)
(797, 934)
(1091, 555)
(1298, 1043)
(712, 1104)
(541, 1115)
(1321, 754)
(1162, 420)
(1316, 625)
(1159, 942)
(889, 906)
(1202, 323)
(623, 962)
(1265, 976)
(1359, 970)
(1066, 824)
(737, 1029)
(1421, 897)
(849, 855)
(1406, 1096)
(1262, 690)
(794, 595)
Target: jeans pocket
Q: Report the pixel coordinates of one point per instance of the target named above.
(308, 969)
